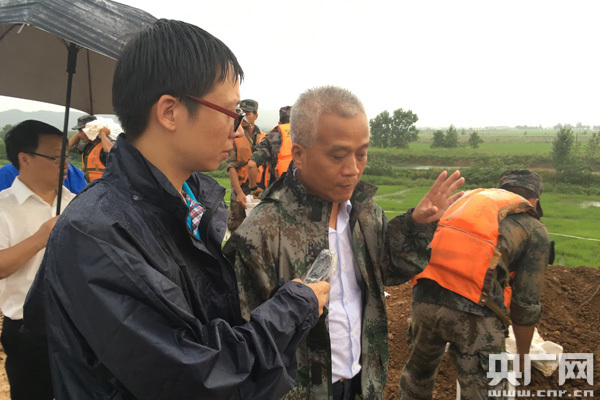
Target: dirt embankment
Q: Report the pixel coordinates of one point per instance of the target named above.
(571, 318)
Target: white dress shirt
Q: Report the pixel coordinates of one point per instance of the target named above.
(345, 301)
(22, 212)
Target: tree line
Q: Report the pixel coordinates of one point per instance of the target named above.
(398, 130)
(571, 160)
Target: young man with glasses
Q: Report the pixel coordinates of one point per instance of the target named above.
(140, 302)
(27, 211)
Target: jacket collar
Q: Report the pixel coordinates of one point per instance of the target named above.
(362, 194)
(127, 167)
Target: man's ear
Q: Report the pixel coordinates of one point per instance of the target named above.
(167, 110)
(298, 155)
(24, 160)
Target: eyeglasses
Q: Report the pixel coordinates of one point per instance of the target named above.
(238, 115)
(55, 160)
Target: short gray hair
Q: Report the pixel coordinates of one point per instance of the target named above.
(321, 100)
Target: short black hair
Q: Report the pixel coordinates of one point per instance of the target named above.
(284, 114)
(168, 57)
(24, 138)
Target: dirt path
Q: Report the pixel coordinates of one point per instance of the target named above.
(4, 387)
(571, 318)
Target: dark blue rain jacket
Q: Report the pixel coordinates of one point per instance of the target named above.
(136, 307)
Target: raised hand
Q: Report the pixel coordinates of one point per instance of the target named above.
(439, 197)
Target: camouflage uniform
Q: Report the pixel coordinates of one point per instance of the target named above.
(286, 232)
(473, 331)
(237, 213)
(267, 152)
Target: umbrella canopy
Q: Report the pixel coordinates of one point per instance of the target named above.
(34, 40)
(64, 52)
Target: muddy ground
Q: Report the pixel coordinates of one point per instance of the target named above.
(571, 318)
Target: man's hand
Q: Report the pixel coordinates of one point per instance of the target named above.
(241, 198)
(106, 143)
(104, 131)
(43, 233)
(256, 193)
(438, 198)
(14, 257)
(321, 290)
(523, 337)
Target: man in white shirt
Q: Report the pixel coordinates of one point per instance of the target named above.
(26, 219)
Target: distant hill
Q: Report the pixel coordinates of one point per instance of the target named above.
(53, 118)
(267, 119)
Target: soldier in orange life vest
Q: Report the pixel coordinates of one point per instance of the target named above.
(237, 163)
(93, 152)
(485, 241)
(274, 154)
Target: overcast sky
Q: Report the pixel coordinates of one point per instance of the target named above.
(468, 63)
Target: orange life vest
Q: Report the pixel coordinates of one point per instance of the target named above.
(465, 249)
(93, 168)
(244, 151)
(284, 158)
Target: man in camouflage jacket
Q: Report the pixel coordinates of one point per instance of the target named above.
(267, 154)
(284, 234)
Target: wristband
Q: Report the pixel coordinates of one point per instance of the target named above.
(253, 188)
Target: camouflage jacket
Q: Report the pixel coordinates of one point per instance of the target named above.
(285, 233)
(232, 161)
(525, 246)
(267, 150)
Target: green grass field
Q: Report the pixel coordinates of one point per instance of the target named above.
(572, 225)
(488, 148)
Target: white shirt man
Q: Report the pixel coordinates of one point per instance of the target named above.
(27, 216)
(22, 213)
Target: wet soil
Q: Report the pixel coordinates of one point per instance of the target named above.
(570, 317)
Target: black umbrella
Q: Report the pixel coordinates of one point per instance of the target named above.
(38, 38)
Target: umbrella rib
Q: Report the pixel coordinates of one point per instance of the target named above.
(9, 29)
(67, 43)
(89, 68)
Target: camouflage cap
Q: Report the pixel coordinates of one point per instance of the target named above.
(249, 105)
(526, 179)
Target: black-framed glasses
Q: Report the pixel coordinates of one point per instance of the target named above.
(55, 160)
(238, 115)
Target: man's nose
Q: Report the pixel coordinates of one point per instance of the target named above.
(239, 132)
(350, 167)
